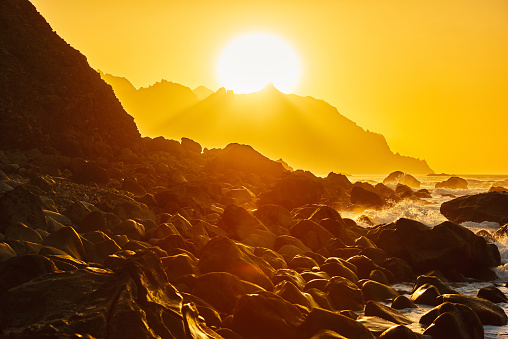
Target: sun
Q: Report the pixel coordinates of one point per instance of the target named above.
(252, 61)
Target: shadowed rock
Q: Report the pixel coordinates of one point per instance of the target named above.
(490, 206)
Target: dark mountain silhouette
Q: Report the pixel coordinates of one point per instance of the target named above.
(306, 132)
(148, 105)
(49, 95)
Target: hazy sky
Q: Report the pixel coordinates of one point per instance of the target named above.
(431, 76)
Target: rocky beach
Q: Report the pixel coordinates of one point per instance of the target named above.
(107, 234)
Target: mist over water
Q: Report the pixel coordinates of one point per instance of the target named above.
(427, 212)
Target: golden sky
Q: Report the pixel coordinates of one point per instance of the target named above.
(431, 76)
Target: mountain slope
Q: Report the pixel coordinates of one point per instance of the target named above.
(49, 95)
(306, 132)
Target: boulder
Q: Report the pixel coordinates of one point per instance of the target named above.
(222, 290)
(311, 234)
(179, 265)
(338, 269)
(327, 334)
(446, 247)
(241, 225)
(21, 205)
(221, 254)
(67, 240)
(399, 177)
(398, 332)
(340, 230)
(366, 199)
(6, 252)
(453, 183)
(284, 240)
(426, 294)
(319, 319)
(402, 302)
(373, 308)
(442, 287)
(19, 270)
(186, 195)
(344, 294)
(21, 232)
(288, 275)
(131, 209)
(490, 206)
(451, 320)
(273, 258)
(273, 215)
(493, 294)
(266, 315)
(135, 301)
(293, 190)
(287, 290)
(488, 312)
(373, 290)
(302, 263)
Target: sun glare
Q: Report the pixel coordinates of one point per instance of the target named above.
(253, 61)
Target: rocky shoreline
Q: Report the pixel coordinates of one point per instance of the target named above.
(221, 248)
(105, 234)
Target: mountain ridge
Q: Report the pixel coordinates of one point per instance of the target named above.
(304, 124)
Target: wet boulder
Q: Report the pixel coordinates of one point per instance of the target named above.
(134, 301)
(373, 308)
(402, 302)
(399, 177)
(267, 315)
(242, 225)
(273, 215)
(446, 247)
(453, 183)
(19, 270)
(398, 332)
(373, 290)
(293, 190)
(319, 319)
(493, 294)
(344, 294)
(311, 234)
(490, 206)
(288, 291)
(426, 294)
(451, 320)
(288, 275)
(488, 312)
(221, 254)
(222, 290)
(367, 199)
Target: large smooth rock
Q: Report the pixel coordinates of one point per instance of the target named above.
(179, 265)
(68, 240)
(266, 315)
(490, 206)
(221, 254)
(186, 195)
(373, 290)
(446, 247)
(135, 301)
(19, 270)
(288, 275)
(399, 177)
(493, 294)
(293, 190)
(273, 215)
(367, 199)
(21, 232)
(344, 294)
(488, 312)
(398, 332)
(453, 183)
(287, 290)
(241, 225)
(453, 321)
(373, 308)
(319, 319)
(337, 268)
(311, 234)
(21, 205)
(220, 289)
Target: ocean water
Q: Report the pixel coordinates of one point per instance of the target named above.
(427, 212)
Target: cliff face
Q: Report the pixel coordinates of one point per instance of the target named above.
(49, 95)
